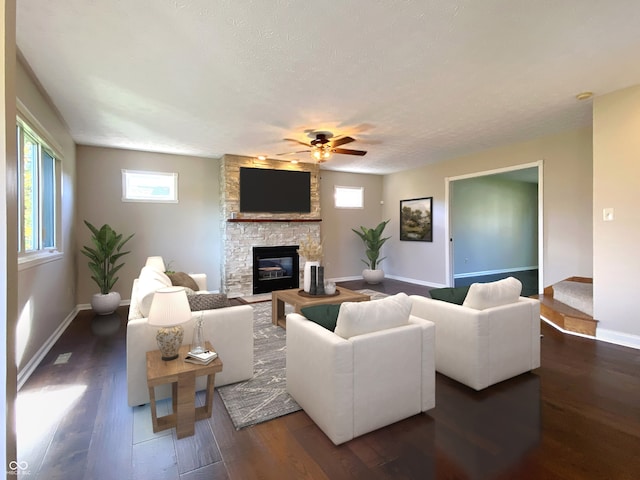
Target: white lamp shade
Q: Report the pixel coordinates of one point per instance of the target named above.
(169, 307)
(157, 263)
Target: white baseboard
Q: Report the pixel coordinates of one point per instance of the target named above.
(493, 272)
(604, 335)
(30, 367)
(392, 277)
(345, 279)
(87, 306)
(619, 338)
(415, 282)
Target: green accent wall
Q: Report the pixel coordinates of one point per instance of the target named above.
(494, 224)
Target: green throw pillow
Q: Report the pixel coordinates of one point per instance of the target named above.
(451, 295)
(324, 315)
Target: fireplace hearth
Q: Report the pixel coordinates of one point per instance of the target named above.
(275, 268)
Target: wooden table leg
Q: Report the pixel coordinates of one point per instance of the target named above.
(277, 309)
(174, 398)
(154, 411)
(186, 402)
(207, 410)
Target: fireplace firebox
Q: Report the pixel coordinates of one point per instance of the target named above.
(275, 268)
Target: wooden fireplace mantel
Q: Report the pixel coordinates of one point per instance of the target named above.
(265, 220)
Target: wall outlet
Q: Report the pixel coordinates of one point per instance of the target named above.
(607, 214)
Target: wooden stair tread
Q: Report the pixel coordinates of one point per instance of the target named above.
(565, 316)
(562, 308)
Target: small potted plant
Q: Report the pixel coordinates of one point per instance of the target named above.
(103, 263)
(373, 240)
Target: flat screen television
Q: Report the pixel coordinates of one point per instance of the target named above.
(274, 191)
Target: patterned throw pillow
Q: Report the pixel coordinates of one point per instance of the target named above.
(181, 279)
(207, 301)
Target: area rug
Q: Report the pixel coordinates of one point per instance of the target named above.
(264, 397)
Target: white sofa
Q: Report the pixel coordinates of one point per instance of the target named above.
(229, 329)
(354, 385)
(479, 344)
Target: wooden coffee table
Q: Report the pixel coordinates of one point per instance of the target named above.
(293, 297)
(182, 377)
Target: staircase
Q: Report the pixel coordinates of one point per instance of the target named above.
(564, 315)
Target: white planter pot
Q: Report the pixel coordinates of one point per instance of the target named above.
(307, 274)
(105, 304)
(373, 276)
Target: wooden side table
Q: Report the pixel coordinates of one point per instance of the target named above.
(182, 377)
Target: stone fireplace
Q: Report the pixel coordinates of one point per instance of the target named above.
(241, 232)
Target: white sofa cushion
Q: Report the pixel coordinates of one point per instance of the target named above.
(493, 294)
(149, 281)
(357, 318)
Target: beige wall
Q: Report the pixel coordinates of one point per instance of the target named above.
(46, 296)
(616, 167)
(567, 184)
(8, 273)
(343, 249)
(187, 233)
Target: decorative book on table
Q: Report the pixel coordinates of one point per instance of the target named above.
(203, 358)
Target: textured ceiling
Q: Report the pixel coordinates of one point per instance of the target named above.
(414, 82)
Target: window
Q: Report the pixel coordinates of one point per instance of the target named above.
(159, 187)
(39, 193)
(348, 197)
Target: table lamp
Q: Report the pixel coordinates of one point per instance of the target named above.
(157, 263)
(169, 309)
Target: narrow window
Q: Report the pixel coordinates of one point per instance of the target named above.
(348, 197)
(140, 186)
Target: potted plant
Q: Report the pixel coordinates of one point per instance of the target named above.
(373, 240)
(312, 253)
(103, 258)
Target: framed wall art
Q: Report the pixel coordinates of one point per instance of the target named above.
(415, 219)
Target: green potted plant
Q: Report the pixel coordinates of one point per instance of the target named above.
(103, 263)
(373, 240)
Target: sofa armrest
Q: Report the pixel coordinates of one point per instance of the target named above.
(482, 347)
(428, 361)
(386, 362)
(320, 376)
(462, 337)
(200, 279)
(229, 329)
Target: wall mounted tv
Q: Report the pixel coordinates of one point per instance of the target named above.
(274, 191)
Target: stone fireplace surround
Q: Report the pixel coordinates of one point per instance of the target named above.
(243, 231)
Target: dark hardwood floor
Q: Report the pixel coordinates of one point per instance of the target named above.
(576, 417)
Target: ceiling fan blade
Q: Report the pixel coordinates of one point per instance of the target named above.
(293, 153)
(342, 141)
(297, 141)
(346, 151)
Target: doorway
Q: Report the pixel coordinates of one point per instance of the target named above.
(495, 226)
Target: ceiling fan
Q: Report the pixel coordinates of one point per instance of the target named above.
(321, 147)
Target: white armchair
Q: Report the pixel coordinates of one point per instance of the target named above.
(481, 347)
(352, 386)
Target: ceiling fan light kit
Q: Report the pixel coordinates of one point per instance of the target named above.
(321, 148)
